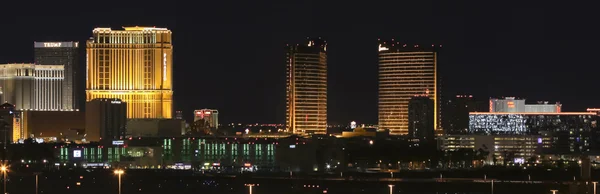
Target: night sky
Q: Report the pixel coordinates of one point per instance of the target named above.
(229, 55)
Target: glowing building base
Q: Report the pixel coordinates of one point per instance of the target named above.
(140, 103)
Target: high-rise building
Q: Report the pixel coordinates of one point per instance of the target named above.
(456, 113)
(105, 118)
(32, 87)
(210, 116)
(420, 118)
(306, 92)
(135, 65)
(405, 71)
(67, 55)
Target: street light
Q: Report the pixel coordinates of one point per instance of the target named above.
(554, 191)
(595, 186)
(492, 186)
(36, 182)
(4, 169)
(391, 188)
(119, 172)
(250, 187)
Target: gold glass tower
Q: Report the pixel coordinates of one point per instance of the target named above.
(306, 90)
(405, 71)
(134, 65)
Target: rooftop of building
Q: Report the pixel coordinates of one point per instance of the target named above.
(395, 46)
(532, 113)
(311, 44)
(134, 28)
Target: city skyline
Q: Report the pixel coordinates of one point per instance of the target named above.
(299, 97)
(481, 46)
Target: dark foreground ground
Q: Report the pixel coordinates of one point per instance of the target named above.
(164, 182)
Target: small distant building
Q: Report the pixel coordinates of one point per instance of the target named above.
(179, 115)
(7, 133)
(155, 127)
(421, 121)
(105, 118)
(209, 115)
(365, 132)
(512, 104)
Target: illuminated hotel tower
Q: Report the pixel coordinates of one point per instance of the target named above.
(66, 54)
(134, 65)
(32, 87)
(306, 90)
(405, 71)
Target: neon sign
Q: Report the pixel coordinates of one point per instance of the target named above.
(77, 153)
(52, 44)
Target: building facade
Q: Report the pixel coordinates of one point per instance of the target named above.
(155, 127)
(105, 118)
(211, 116)
(50, 126)
(32, 87)
(456, 113)
(306, 88)
(405, 71)
(420, 118)
(135, 65)
(502, 148)
(565, 132)
(67, 55)
(512, 104)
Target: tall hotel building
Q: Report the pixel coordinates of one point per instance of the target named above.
(405, 71)
(66, 54)
(306, 90)
(32, 87)
(134, 65)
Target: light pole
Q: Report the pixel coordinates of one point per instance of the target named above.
(119, 173)
(4, 169)
(36, 183)
(554, 191)
(492, 186)
(391, 188)
(250, 187)
(595, 186)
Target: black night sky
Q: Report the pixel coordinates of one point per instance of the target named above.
(229, 55)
